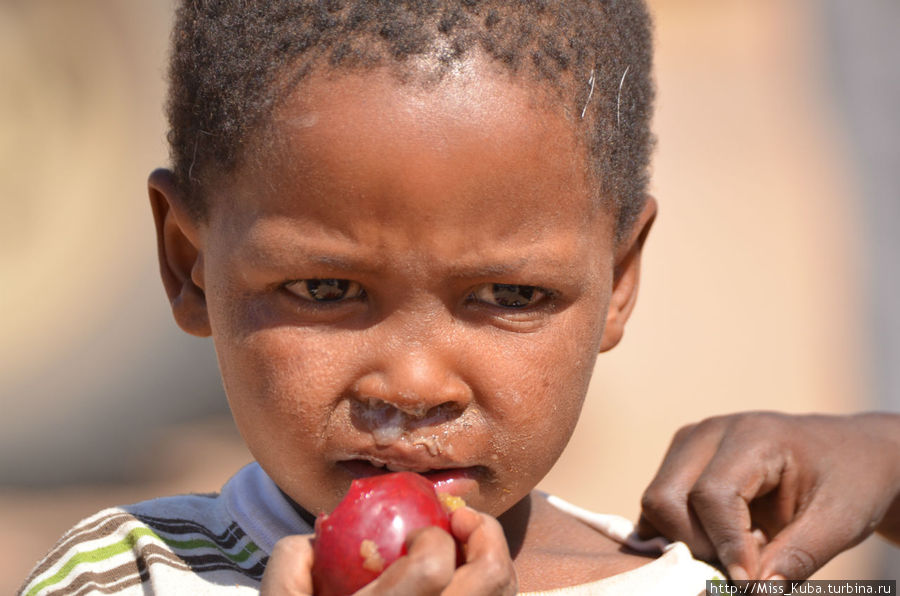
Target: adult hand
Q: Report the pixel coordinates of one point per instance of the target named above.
(429, 567)
(776, 496)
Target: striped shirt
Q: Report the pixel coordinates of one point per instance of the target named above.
(193, 544)
(219, 544)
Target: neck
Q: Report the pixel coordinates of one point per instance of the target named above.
(308, 517)
(515, 523)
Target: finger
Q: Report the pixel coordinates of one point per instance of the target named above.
(645, 528)
(289, 570)
(464, 522)
(735, 543)
(722, 496)
(488, 568)
(664, 505)
(815, 537)
(425, 569)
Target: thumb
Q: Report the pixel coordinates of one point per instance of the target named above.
(289, 570)
(805, 545)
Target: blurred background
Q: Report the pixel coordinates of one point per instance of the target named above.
(771, 279)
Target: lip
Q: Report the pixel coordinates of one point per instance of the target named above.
(456, 481)
(459, 482)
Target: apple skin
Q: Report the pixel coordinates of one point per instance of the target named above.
(367, 530)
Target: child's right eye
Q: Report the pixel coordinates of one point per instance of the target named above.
(325, 290)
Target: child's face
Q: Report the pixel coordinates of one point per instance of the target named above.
(411, 278)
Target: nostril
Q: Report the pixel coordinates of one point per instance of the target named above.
(440, 414)
(388, 422)
(371, 388)
(407, 403)
(385, 422)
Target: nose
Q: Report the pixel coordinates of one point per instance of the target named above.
(415, 382)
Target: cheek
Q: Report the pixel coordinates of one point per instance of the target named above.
(539, 385)
(283, 371)
(263, 358)
(287, 405)
(280, 380)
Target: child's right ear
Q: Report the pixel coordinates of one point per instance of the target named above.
(180, 253)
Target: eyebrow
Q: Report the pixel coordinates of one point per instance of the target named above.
(491, 270)
(261, 258)
(265, 257)
(340, 257)
(337, 262)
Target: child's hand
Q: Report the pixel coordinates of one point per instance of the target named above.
(289, 570)
(429, 567)
(777, 495)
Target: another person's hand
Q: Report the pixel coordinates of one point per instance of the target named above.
(429, 567)
(776, 496)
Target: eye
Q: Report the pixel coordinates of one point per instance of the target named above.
(509, 295)
(325, 290)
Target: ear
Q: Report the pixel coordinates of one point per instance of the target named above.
(626, 277)
(180, 254)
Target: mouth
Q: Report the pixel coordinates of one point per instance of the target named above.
(457, 481)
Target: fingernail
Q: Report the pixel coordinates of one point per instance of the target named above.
(737, 573)
(776, 577)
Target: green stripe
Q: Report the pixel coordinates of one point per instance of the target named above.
(239, 557)
(94, 556)
(127, 543)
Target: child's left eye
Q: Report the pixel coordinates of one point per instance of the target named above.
(325, 290)
(509, 295)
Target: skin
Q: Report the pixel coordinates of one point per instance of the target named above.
(776, 496)
(420, 200)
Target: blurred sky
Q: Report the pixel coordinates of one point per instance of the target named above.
(777, 217)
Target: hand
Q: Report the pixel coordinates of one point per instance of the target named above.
(774, 495)
(429, 567)
(289, 570)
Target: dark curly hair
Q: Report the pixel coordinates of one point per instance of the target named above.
(233, 60)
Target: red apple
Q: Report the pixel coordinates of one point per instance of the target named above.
(367, 530)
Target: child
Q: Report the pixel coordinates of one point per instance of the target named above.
(409, 228)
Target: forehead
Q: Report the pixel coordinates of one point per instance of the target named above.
(428, 145)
